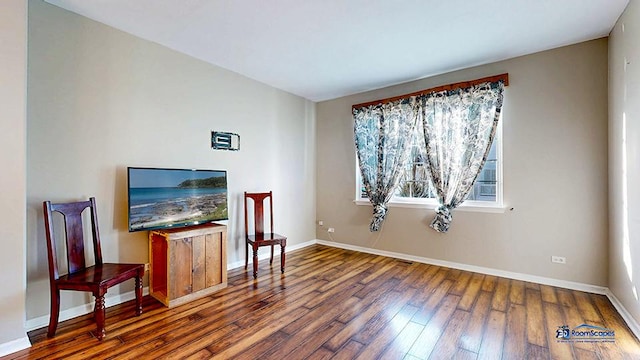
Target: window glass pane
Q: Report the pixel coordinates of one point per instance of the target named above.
(415, 182)
(363, 194)
(486, 184)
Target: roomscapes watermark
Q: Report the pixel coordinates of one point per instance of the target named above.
(585, 333)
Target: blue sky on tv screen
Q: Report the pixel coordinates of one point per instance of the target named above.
(150, 178)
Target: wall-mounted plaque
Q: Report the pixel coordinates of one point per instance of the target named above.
(221, 140)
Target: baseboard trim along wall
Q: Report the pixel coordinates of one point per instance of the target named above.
(472, 268)
(14, 346)
(265, 254)
(626, 316)
(42, 321)
(631, 322)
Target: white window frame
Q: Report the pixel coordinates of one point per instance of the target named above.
(468, 205)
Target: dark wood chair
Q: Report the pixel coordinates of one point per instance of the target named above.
(260, 238)
(95, 279)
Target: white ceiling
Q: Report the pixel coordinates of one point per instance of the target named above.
(323, 49)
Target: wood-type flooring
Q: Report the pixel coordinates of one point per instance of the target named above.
(338, 304)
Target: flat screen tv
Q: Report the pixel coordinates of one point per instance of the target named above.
(171, 198)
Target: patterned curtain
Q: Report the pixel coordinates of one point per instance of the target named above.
(382, 135)
(459, 127)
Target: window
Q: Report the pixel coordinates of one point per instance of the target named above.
(415, 190)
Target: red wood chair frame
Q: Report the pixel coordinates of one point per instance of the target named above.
(95, 279)
(260, 238)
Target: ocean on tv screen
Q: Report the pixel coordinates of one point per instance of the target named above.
(191, 198)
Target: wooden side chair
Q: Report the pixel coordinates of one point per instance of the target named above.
(95, 279)
(260, 238)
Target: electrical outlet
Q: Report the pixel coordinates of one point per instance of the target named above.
(559, 259)
(146, 266)
(320, 222)
(331, 230)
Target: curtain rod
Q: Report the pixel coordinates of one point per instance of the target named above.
(504, 77)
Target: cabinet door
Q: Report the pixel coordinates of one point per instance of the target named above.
(180, 268)
(199, 263)
(213, 248)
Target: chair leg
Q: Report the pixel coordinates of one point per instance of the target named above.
(99, 314)
(255, 261)
(282, 246)
(139, 293)
(246, 255)
(271, 260)
(55, 312)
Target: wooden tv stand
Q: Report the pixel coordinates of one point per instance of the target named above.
(187, 263)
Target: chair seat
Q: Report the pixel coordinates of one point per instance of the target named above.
(266, 238)
(94, 277)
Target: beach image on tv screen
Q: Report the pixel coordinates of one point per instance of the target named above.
(161, 198)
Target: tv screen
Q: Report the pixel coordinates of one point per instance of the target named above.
(168, 198)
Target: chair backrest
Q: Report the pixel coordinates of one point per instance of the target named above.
(258, 211)
(74, 233)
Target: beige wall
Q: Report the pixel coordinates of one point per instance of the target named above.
(624, 159)
(13, 77)
(100, 100)
(555, 173)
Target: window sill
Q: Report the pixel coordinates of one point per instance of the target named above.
(475, 207)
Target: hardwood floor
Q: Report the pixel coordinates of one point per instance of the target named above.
(340, 304)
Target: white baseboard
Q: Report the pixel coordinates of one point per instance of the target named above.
(266, 254)
(67, 314)
(14, 346)
(478, 269)
(114, 300)
(631, 322)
